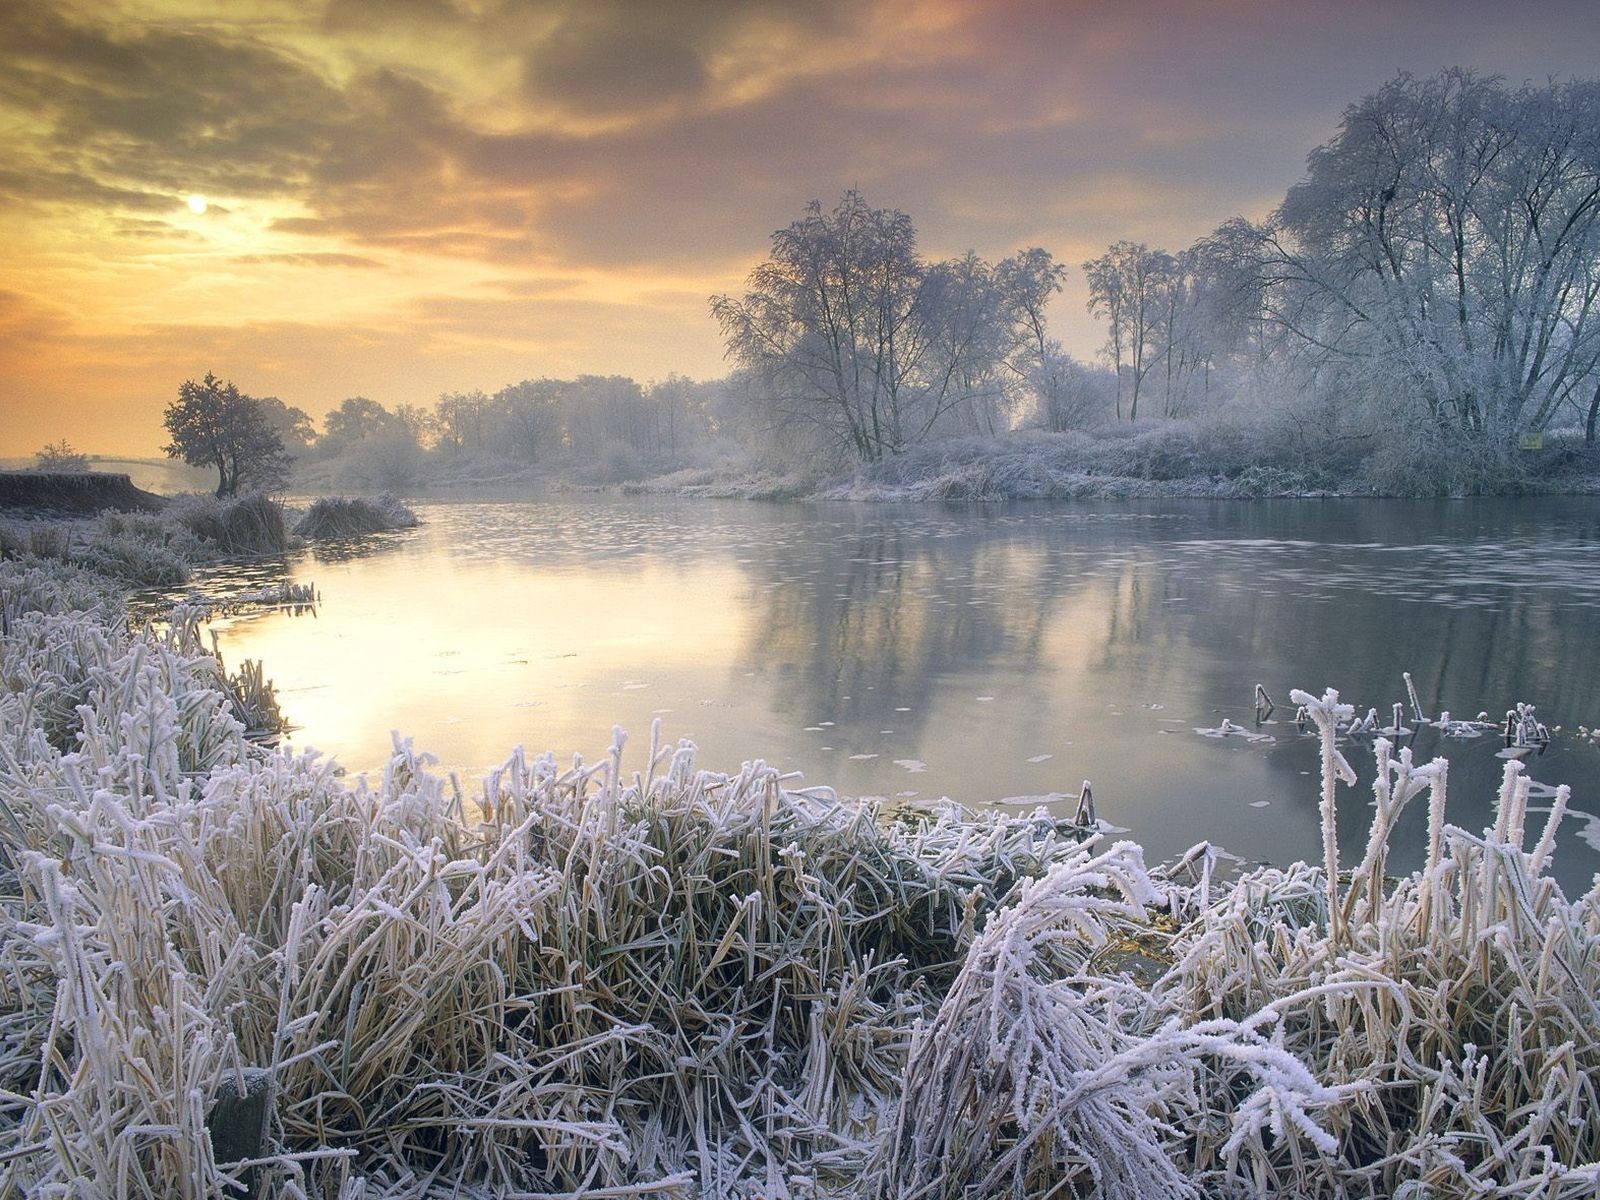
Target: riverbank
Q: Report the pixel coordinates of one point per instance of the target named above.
(163, 539)
(637, 977)
(72, 494)
(1171, 459)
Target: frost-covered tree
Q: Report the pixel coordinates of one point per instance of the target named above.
(682, 412)
(1027, 282)
(827, 325)
(464, 420)
(846, 331)
(1071, 394)
(968, 342)
(1448, 240)
(526, 418)
(1126, 286)
(213, 424)
(60, 456)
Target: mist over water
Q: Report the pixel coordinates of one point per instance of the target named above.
(990, 654)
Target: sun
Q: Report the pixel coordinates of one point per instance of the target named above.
(197, 204)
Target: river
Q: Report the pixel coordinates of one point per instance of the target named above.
(992, 654)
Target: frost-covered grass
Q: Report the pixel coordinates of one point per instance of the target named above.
(154, 550)
(1215, 457)
(251, 525)
(639, 978)
(138, 550)
(734, 482)
(1326, 1032)
(341, 517)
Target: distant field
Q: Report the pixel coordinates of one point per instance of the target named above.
(160, 475)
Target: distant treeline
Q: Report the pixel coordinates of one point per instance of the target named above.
(606, 428)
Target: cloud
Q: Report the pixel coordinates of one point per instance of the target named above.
(151, 110)
(313, 258)
(596, 66)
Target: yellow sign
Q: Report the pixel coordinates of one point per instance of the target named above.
(1532, 441)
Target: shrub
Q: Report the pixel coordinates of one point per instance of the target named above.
(250, 525)
(60, 456)
(338, 517)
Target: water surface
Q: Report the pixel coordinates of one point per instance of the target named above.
(990, 654)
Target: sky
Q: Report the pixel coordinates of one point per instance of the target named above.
(398, 198)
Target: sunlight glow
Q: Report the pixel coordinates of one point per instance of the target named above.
(197, 204)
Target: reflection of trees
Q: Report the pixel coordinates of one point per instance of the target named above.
(889, 608)
(879, 613)
(889, 613)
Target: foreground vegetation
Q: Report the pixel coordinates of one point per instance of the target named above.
(160, 549)
(663, 981)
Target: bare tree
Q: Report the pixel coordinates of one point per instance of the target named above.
(463, 420)
(1028, 281)
(847, 331)
(1071, 394)
(826, 323)
(526, 419)
(1126, 286)
(1449, 237)
(682, 411)
(60, 456)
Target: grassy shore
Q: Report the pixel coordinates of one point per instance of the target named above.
(159, 545)
(640, 978)
(1202, 459)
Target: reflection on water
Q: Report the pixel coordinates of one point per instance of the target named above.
(989, 654)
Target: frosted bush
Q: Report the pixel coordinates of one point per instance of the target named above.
(339, 517)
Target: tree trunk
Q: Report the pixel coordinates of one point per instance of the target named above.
(1594, 418)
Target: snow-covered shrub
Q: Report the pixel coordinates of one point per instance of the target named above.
(133, 559)
(242, 525)
(339, 517)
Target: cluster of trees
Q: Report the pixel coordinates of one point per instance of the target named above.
(848, 333)
(1440, 262)
(1171, 321)
(609, 427)
(1439, 268)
